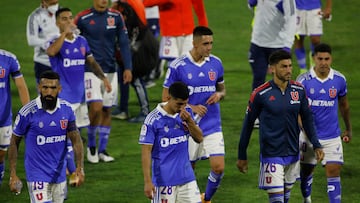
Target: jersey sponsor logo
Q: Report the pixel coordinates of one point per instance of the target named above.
(332, 92)
(73, 62)
(63, 124)
(165, 142)
(201, 89)
(294, 97)
(212, 75)
(2, 72)
(110, 22)
(323, 103)
(41, 139)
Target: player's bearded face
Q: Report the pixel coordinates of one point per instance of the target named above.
(48, 102)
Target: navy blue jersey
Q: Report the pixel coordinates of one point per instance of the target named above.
(278, 114)
(103, 30)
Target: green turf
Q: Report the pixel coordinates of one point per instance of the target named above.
(122, 180)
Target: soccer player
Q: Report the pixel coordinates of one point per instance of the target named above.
(327, 90)
(103, 28)
(45, 123)
(277, 103)
(176, 25)
(309, 23)
(9, 68)
(40, 29)
(274, 29)
(203, 73)
(68, 55)
(164, 149)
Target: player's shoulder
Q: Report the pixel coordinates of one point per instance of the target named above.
(64, 103)
(153, 116)
(339, 74)
(29, 108)
(83, 14)
(112, 11)
(215, 58)
(296, 85)
(179, 62)
(5, 53)
(37, 11)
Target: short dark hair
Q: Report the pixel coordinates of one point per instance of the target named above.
(202, 30)
(278, 55)
(49, 74)
(179, 90)
(322, 47)
(60, 10)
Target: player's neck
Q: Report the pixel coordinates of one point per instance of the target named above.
(197, 57)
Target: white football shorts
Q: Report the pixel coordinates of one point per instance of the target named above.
(5, 137)
(188, 192)
(81, 113)
(95, 90)
(41, 192)
(332, 148)
(173, 47)
(309, 22)
(212, 145)
(273, 177)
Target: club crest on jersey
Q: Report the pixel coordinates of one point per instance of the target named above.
(212, 75)
(41, 124)
(63, 124)
(294, 97)
(332, 92)
(83, 51)
(110, 22)
(2, 72)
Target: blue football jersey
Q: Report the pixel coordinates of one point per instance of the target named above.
(69, 63)
(170, 157)
(45, 139)
(201, 80)
(323, 98)
(9, 67)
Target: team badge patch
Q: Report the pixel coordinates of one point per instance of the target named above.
(332, 92)
(212, 75)
(2, 72)
(189, 76)
(63, 124)
(294, 96)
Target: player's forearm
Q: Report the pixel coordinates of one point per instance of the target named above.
(95, 68)
(13, 154)
(195, 131)
(22, 90)
(78, 148)
(55, 47)
(146, 162)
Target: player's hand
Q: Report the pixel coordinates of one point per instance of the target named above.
(184, 115)
(319, 154)
(80, 175)
(149, 190)
(199, 109)
(107, 85)
(13, 182)
(242, 165)
(127, 76)
(214, 98)
(346, 136)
